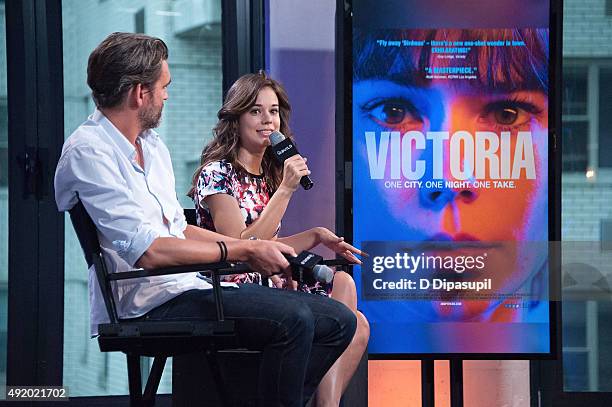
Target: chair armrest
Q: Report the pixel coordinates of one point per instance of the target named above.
(216, 269)
(339, 262)
(220, 268)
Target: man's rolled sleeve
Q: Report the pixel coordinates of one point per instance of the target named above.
(180, 221)
(141, 241)
(92, 175)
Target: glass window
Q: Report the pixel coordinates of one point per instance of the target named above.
(587, 198)
(575, 136)
(576, 379)
(605, 344)
(574, 90)
(4, 219)
(574, 327)
(3, 140)
(605, 117)
(192, 31)
(575, 130)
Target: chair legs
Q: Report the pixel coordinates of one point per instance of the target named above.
(213, 363)
(137, 399)
(154, 377)
(135, 380)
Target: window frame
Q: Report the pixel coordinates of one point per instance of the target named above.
(593, 67)
(36, 228)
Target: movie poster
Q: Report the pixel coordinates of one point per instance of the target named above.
(450, 182)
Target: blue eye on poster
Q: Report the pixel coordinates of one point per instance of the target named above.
(451, 175)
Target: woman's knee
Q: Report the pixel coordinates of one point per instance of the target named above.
(362, 335)
(344, 290)
(344, 280)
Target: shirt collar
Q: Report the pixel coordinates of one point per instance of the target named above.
(148, 136)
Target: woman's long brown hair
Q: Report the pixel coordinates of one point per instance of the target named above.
(226, 137)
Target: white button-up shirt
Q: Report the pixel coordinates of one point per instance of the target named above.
(130, 207)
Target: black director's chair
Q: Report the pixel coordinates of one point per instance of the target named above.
(157, 339)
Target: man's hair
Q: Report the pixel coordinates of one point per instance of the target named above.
(121, 61)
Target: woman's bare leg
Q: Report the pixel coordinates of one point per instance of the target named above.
(338, 377)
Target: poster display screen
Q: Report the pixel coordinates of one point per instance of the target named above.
(450, 111)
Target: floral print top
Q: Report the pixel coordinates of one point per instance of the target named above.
(220, 177)
(252, 194)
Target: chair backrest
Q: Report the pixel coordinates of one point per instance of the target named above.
(94, 256)
(190, 216)
(86, 232)
(88, 238)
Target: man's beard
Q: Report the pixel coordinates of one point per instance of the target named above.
(150, 117)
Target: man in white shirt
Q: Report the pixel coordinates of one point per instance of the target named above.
(121, 171)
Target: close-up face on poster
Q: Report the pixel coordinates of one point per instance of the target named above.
(450, 112)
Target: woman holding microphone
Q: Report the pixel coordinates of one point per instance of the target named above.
(240, 190)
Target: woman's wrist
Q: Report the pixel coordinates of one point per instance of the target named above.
(318, 234)
(285, 190)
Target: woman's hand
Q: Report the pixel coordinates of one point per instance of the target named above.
(338, 245)
(285, 283)
(294, 169)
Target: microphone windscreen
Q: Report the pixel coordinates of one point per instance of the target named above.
(276, 137)
(322, 273)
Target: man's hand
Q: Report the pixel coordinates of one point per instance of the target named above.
(267, 257)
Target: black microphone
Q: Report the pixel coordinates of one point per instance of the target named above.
(305, 268)
(285, 148)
